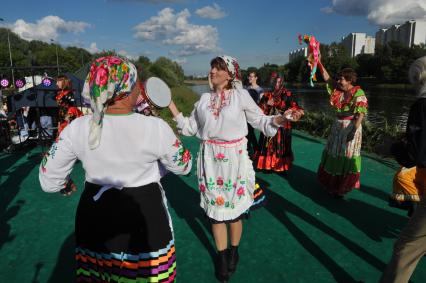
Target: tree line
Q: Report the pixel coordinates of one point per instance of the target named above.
(73, 59)
(389, 64)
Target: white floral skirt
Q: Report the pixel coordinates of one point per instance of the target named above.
(226, 178)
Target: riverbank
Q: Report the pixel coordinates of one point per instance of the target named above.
(196, 82)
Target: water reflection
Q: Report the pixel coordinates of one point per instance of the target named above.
(385, 105)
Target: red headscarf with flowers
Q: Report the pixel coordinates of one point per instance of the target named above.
(109, 78)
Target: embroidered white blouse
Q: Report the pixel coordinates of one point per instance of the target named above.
(225, 119)
(128, 156)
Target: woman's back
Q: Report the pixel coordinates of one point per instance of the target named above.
(129, 151)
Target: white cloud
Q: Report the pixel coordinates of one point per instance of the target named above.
(327, 10)
(380, 12)
(181, 61)
(93, 48)
(47, 28)
(211, 12)
(174, 29)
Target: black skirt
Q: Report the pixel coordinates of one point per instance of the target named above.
(125, 234)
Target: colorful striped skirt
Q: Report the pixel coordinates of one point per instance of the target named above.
(340, 166)
(125, 235)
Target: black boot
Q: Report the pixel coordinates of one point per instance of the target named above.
(233, 259)
(221, 272)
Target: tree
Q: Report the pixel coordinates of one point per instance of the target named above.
(172, 66)
(367, 65)
(143, 64)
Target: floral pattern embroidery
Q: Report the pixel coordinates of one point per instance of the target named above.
(220, 201)
(219, 181)
(220, 185)
(47, 155)
(241, 192)
(218, 101)
(182, 156)
(220, 157)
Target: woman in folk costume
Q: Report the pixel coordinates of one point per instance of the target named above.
(123, 229)
(275, 152)
(225, 172)
(340, 167)
(65, 99)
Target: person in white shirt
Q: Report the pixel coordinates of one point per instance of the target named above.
(123, 229)
(256, 92)
(252, 79)
(225, 173)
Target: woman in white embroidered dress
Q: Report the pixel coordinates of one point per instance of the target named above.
(225, 173)
(123, 231)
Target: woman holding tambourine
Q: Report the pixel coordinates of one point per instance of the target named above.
(123, 231)
(225, 172)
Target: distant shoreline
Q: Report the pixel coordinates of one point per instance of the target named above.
(196, 82)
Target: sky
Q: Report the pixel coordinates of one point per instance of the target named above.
(192, 32)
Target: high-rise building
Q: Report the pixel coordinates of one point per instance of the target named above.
(358, 43)
(410, 33)
(298, 53)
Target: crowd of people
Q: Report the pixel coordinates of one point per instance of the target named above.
(123, 228)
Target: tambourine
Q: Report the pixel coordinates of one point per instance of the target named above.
(157, 93)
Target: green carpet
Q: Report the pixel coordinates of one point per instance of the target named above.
(300, 236)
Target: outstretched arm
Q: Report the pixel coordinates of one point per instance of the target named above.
(173, 109)
(324, 72)
(188, 126)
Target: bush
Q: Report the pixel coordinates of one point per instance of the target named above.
(377, 139)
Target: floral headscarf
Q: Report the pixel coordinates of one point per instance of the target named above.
(108, 77)
(277, 77)
(234, 69)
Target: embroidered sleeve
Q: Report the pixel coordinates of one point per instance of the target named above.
(188, 126)
(173, 155)
(57, 164)
(256, 117)
(330, 87)
(360, 102)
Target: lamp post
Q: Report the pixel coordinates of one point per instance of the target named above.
(10, 53)
(57, 57)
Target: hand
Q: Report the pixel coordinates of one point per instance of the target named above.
(70, 187)
(294, 115)
(297, 114)
(280, 120)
